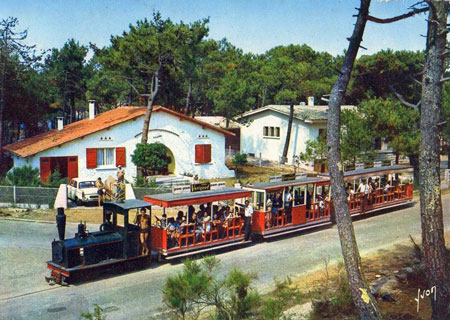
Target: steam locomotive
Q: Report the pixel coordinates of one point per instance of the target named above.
(117, 242)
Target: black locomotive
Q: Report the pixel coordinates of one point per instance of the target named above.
(117, 242)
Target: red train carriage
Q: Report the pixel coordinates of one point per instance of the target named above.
(392, 186)
(304, 202)
(304, 210)
(194, 233)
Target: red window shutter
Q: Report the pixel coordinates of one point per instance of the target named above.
(120, 156)
(202, 153)
(198, 153)
(45, 168)
(91, 158)
(207, 153)
(72, 167)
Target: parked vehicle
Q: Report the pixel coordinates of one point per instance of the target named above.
(82, 191)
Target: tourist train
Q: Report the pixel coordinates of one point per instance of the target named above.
(209, 216)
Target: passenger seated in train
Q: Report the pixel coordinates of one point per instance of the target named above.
(162, 221)
(198, 228)
(201, 210)
(172, 232)
(218, 223)
(350, 191)
(180, 214)
(206, 222)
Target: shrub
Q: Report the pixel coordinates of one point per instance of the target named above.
(25, 176)
(151, 156)
(198, 287)
(239, 159)
(142, 182)
(284, 296)
(54, 180)
(97, 315)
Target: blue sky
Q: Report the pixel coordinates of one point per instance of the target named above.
(252, 25)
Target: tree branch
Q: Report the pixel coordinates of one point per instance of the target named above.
(397, 18)
(403, 101)
(444, 79)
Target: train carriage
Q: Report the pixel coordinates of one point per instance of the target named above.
(310, 205)
(396, 190)
(192, 235)
(306, 210)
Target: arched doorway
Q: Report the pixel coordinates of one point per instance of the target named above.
(171, 167)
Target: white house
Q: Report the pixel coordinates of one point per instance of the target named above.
(94, 147)
(265, 129)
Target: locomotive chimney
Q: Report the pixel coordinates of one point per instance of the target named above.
(61, 223)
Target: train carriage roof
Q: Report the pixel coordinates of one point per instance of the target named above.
(271, 186)
(180, 199)
(126, 205)
(375, 171)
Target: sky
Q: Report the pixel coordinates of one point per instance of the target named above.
(252, 25)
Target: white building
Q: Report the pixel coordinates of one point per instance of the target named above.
(264, 130)
(94, 147)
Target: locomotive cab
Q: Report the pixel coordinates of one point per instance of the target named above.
(117, 241)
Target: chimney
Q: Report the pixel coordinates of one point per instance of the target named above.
(310, 101)
(60, 123)
(91, 109)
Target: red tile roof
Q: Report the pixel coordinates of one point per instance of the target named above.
(82, 128)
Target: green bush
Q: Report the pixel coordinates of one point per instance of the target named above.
(142, 182)
(97, 315)
(151, 156)
(54, 180)
(239, 159)
(198, 287)
(25, 176)
(284, 296)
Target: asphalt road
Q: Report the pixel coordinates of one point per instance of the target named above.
(25, 246)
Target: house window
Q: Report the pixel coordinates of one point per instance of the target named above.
(321, 132)
(202, 153)
(105, 157)
(271, 132)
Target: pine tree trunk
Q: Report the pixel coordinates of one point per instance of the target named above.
(72, 108)
(448, 157)
(429, 161)
(188, 98)
(288, 135)
(362, 298)
(150, 103)
(263, 102)
(2, 104)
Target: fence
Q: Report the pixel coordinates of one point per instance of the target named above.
(32, 196)
(38, 196)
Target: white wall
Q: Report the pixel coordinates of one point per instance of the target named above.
(179, 136)
(271, 148)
